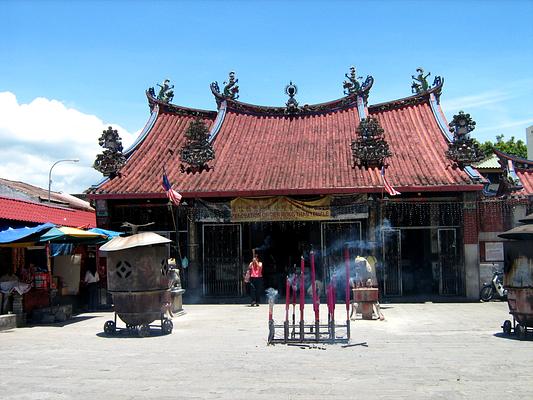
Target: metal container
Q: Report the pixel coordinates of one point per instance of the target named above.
(137, 277)
(137, 269)
(520, 301)
(518, 281)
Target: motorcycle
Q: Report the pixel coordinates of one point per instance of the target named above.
(494, 288)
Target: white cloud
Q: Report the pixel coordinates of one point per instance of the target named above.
(475, 101)
(37, 134)
(522, 123)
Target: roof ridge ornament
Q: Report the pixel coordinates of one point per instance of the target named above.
(111, 159)
(421, 85)
(231, 89)
(370, 149)
(353, 86)
(166, 94)
(463, 149)
(292, 105)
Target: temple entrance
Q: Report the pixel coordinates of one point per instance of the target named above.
(336, 237)
(280, 246)
(417, 273)
(421, 262)
(222, 260)
(450, 271)
(392, 271)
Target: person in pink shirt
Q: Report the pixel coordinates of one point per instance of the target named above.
(256, 279)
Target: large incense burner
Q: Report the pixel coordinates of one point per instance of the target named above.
(138, 277)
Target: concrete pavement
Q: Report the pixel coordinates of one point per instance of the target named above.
(421, 351)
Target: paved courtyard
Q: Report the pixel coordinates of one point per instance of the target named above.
(421, 351)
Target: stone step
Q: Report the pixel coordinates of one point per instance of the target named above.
(49, 315)
(8, 321)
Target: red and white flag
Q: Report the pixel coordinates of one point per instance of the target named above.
(173, 196)
(390, 190)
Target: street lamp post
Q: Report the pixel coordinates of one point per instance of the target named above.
(50, 173)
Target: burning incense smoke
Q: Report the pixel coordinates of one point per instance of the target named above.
(272, 295)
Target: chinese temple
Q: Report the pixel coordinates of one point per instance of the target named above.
(392, 179)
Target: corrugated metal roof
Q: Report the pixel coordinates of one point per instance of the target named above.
(27, 192)
(491, 162)
(19, 210)
(259, 154)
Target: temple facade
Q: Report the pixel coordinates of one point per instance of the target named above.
(392, 179)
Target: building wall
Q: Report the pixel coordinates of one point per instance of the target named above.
(472, 271)
(471, 246)
(529, 142)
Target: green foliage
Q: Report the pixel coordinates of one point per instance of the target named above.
(517, 148)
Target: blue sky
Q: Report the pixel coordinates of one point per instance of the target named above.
(92, 62)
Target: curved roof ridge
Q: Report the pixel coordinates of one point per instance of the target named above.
(342, 103)
(417, 98)
(176, 109)
(512, 157)
(307, 109)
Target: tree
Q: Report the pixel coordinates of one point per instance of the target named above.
(517, 148)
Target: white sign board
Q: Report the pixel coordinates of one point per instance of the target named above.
(494, 251)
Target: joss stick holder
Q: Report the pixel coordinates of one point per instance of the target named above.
(302, 332)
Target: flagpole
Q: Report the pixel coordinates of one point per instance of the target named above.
(382, 184)
(173, 215)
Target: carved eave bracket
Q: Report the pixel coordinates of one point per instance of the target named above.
(463, 150)
(370, 149)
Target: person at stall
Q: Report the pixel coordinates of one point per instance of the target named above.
(27, 274)
(91, 280)
(256, 279)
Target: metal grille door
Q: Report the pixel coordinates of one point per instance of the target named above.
(335, 236)
(449, 266)
(392, 274)
(222, 244)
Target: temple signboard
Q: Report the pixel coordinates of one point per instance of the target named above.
(279, 208)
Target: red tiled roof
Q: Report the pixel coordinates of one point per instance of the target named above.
(523, 169)
(526, 178)
(160, 149)
(19, 210)
(268, 153)
(419, 161)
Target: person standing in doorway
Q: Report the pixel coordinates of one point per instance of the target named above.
(91, 280)
(256, 279)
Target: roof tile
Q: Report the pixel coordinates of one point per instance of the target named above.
(306, 154)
